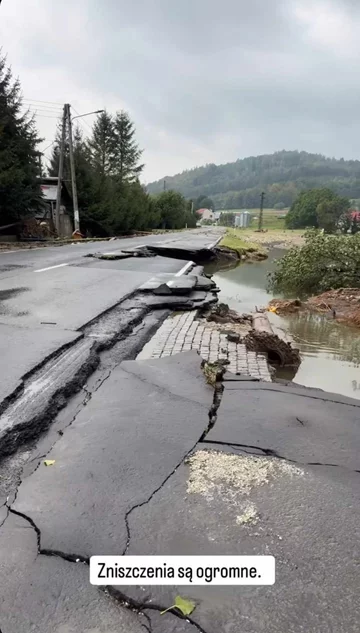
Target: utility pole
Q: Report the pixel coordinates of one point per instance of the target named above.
(61, 171)
(261, 216)
(40, 165)
(164, 185)
(73, 175)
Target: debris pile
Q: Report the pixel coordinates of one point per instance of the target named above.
(342, 304)
(284, 306)
(256, 332)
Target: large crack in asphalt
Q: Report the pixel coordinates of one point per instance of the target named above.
(121, 598)
(325, 398)
(212, 415)
(269, 452)
(136, 606)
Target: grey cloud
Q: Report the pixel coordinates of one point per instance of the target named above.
(228, 78)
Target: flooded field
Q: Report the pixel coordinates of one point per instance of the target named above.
(330, 351)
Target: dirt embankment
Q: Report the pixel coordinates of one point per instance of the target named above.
(234, 247)
(342, 304)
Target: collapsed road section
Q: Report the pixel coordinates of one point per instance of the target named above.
(46, 390)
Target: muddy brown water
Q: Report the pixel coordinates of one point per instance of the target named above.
(330, 351)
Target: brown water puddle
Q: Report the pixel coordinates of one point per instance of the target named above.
(330, 351)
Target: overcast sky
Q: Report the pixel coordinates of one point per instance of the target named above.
(204, 80)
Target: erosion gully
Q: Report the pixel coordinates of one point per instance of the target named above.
(330, 351)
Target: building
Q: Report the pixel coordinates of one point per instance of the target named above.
(48, 185)
(242, 220)
(355, 215)
(205, 214)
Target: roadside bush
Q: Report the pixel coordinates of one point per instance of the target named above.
(324, 262)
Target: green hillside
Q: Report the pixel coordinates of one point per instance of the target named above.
(281, 175)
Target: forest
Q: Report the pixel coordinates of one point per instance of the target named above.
(282, 176)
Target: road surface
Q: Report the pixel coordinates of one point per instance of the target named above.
(137, 470)
(48, 294)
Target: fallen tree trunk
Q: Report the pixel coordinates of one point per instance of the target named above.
(273, 342)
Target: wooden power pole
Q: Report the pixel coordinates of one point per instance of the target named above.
(261, 216)
(61, 171)
(73, 175)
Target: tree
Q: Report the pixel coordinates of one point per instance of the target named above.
(303, 212)
(102, 145)
(330, 212)
(129, 207)
(227, 219)
(20, 191)
(191, 217)
(126, 151)
(325, 262)
(282, 175)
(280, 206)
(110, 160)
(204, 202)
(172, 209)
(55, 156)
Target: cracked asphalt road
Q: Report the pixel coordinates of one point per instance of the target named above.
(48, 294)
(120, 485)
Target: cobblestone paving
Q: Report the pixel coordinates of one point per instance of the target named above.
(182, 332)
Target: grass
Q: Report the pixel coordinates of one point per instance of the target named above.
(271, 219)
(234, 239)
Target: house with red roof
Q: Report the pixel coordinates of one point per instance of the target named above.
(205, 214)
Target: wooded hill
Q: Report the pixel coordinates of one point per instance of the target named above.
(281, 175)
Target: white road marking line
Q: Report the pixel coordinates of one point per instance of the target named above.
(184, 269)
(41, 270)
(22, 250)
(216, 242)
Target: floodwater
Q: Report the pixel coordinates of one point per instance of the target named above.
(330, 351)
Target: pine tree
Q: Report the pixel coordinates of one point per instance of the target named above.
(127, 153)
(55, 156)
(20, 192)
(83, 170)
(102, 145)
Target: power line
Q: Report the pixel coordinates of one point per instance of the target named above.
(35, 108)
(40, 107)
(45, 116)
(82, 122)
(47, 158)
(85, 123)
(39, 101)
(44, 150)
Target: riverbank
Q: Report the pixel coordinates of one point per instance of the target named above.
(342, 305)
(241, 248)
